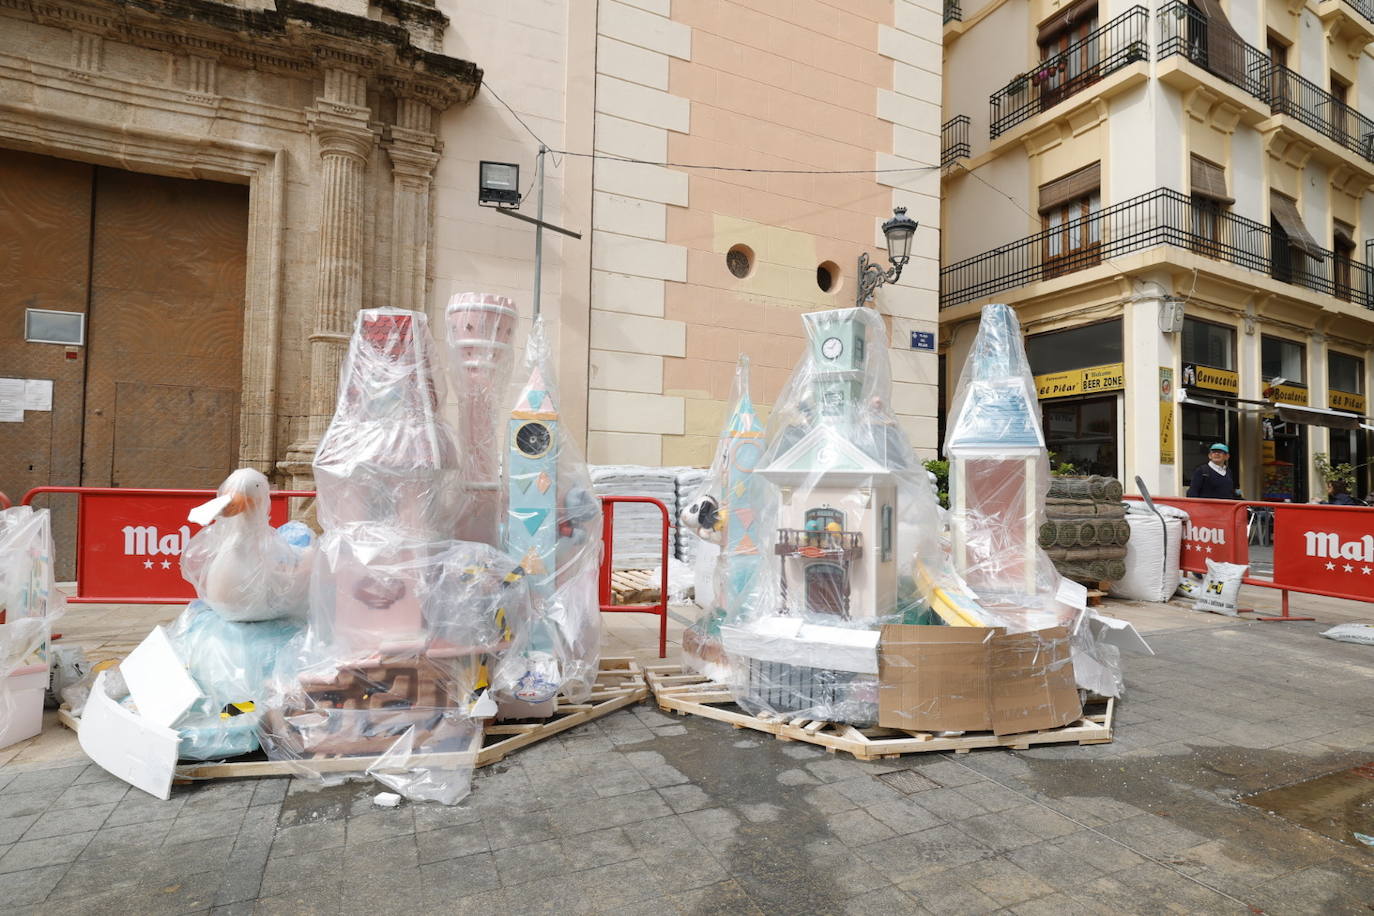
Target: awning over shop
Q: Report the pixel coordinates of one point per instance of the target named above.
(1286, 413)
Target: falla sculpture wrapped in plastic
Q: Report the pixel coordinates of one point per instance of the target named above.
(29, 605)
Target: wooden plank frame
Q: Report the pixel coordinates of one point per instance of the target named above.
(619, 683)
(693, 694)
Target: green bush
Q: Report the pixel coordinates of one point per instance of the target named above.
(941, 471)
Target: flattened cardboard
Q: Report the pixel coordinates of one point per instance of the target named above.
(935, 678)
(1033, 685)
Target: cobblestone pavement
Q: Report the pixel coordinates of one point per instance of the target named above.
(646, 813)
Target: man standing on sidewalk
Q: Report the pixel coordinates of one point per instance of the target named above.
(1214, 479)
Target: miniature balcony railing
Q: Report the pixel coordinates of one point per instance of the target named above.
(952, 11)
(1160, 217)
(1091, 59)
(1185, 31)
(954, 143)
(794, 542)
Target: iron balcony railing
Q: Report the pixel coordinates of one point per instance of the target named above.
(954, 140)
(1160, 217)
(1185, 31)
(952, 11)
(1119, 43)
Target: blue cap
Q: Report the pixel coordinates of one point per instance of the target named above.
(1219, 447)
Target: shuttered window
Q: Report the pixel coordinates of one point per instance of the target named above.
(1284, 210)
(1209, 181)
(1075, 185)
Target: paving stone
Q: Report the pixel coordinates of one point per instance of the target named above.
(311, 901)
(518, 829)
(884, 900)
(291, 841)
(368, 828)
(177, 864)
(857, 827)
(98, 792)
(291, 874)
(225, 795)
(463, 876)
(55, 850)
(686, 797)
(906, 858)
(141, 808)
(270, 791)
(29, 886)
(904, 815)
(34, 801)
(192, 825)
(1001, 880)
(126, 841)
(721, 897)
(674, 854)
(1153, 836)
(68, 820)
(42, 780)
(627, 809)
(12, 828)
(450, 843)
(87, 877)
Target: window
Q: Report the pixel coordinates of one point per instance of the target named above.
(1291, 244)
(1076, 348)
(1069, 54)
(1338, 118)
(1283, 359)
(827, 589)
(1345, 373)
(1207, 344)
(1278, 84)
(1068, 209)
(822, 520)
(1343, 246)
(1210, 203)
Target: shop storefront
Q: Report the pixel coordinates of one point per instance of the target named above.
(1345, 392)
(1283, 449)
(1209, 369)
(1079, 377)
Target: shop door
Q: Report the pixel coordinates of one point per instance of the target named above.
(1202, 428)
(158, 267)
(1082, 432)
(1284, 471)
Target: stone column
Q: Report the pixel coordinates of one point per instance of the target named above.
(339, 123)
(412, 149)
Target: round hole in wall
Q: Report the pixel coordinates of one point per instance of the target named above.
(740, 260)
(828, 276)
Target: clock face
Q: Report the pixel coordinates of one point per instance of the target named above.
(533, 439)
(832, 347)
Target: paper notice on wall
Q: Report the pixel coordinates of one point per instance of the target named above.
(37, 394)
(11, 400)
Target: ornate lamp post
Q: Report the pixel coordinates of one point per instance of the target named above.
(898, 231)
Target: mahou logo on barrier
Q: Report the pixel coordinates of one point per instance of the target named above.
(1326, 549)
(1207, 535)
(130, 545)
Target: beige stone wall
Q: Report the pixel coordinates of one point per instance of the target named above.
(807, 86)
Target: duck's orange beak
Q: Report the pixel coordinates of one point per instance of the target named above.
(238, 502)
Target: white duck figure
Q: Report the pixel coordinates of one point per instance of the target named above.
(242, 567)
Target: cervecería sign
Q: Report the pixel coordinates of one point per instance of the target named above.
(1224, 380)
(1092, 380)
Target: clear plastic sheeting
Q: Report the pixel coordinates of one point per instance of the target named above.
(404, 621)
(480, 329)
(724, 512)
(998, 481)
(239, 564)
(29, 604)
(232, 663)
(832, 512)
(553, 531)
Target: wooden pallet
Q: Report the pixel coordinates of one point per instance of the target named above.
(634, 586)
(619, 683)
(692, 694)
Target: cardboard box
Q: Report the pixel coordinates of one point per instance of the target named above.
(933, 678)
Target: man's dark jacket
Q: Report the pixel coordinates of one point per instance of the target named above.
(1208, 484)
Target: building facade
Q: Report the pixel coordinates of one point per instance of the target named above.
(1176, 200)
(196, 196)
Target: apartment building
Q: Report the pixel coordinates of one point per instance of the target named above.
(1178, 202)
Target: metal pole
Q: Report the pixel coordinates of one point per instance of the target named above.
(539, 230)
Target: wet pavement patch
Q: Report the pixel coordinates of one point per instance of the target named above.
(1338, 805)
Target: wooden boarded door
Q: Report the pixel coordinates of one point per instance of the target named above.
(45, 248)
(166, 331)
(158, 267)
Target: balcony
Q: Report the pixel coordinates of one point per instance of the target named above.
(1118, 44)
(794, 542)
(954, 140)
(1160, 217)
(1185, 31)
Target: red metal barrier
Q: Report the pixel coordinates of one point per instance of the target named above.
(5, 501)
(608, 504)
(129, 541)
(1318, 550)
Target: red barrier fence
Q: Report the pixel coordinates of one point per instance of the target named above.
(129, 541)
(608, 504)
(1317, 550)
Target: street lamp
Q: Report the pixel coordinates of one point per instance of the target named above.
(498, 184)
(898, 231)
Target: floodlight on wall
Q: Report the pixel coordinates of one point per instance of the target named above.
(498, 184)
(898, 232)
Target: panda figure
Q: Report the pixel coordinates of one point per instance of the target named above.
(703, 517)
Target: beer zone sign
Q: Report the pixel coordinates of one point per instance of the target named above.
(129, 544)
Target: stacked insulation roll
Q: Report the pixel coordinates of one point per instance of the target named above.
(1085, 530)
